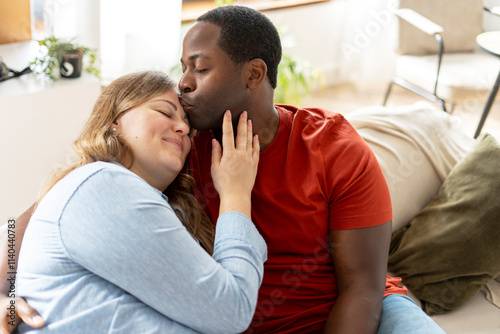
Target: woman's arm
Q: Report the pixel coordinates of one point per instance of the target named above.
(360, 261)
(12, 308)
(121, 229)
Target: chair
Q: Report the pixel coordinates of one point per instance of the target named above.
(439, 58)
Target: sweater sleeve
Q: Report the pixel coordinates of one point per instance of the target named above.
(123, 230)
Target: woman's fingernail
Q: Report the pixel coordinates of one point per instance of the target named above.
(214, 142)
(228, 113)
(244, 114)
(37, 320)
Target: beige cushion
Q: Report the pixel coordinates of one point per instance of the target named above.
(476, 316)
(462, 21)
(463, 75)
(450, 249)
(416, 147)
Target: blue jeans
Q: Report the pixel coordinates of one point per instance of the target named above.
(400, 314)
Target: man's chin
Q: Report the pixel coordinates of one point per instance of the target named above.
(199, 126)
(203, 123)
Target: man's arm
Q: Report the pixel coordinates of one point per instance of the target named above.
(12, 308)
(360, 260)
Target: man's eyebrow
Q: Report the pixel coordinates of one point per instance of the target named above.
(195, 56)
(167, 101)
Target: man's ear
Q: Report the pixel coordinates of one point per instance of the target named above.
(257, 72)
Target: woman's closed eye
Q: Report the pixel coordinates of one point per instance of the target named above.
(164, 113)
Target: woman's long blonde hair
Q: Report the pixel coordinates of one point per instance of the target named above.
(97, 143)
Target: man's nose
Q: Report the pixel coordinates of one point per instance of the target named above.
(186, 84)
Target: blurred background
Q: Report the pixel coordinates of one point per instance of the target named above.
(344, 50)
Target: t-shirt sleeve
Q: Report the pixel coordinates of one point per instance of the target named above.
(123, 230)
(359, 195)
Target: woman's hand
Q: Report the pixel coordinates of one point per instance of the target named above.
(15, 310)
(234, 169)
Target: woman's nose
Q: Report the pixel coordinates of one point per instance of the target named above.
(182, 127)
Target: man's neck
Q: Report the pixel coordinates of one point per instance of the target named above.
(265, 125)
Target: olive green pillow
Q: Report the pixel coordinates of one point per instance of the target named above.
(451, 249)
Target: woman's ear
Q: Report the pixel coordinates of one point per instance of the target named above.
(257, 72)
(113, 129)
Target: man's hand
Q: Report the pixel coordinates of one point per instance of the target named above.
(12, 311)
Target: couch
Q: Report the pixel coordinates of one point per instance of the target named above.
(447, 256)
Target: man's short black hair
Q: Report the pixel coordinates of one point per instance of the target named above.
(247, 34)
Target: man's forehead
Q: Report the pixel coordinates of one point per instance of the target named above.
(202, 31)
(200, 44)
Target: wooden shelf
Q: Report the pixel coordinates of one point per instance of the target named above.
(192, 10)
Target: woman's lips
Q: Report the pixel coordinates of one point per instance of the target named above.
(175, 142)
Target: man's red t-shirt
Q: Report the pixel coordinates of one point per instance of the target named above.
(317, 174)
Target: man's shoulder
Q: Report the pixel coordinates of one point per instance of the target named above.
(310, 112)
(317, 120)
(327, 130)
(314, 119)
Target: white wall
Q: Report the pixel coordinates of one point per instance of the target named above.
(313, 33)
(38, 123)
(138, 35)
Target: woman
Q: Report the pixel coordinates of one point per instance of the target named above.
(114, 244)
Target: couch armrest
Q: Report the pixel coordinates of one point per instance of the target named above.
(418, 21)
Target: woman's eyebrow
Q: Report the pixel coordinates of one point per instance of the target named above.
(167, 101)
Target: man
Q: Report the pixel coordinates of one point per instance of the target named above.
(320, 199)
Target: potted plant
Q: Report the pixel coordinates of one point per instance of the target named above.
(66, 58)
(296, 77)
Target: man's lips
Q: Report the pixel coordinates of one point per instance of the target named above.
(185, 105)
